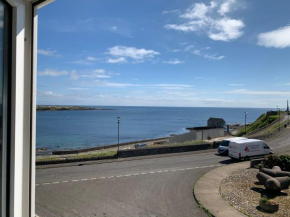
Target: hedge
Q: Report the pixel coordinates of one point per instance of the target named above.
(283, 161)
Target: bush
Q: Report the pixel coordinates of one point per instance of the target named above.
(283, 161)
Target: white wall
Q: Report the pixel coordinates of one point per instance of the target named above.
(198, 135)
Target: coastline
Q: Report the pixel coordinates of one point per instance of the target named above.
(69, 108)
(111, 147)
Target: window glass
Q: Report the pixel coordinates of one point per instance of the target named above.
(1, 96)
(225, 143)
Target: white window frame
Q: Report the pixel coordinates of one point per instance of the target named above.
(23, 107)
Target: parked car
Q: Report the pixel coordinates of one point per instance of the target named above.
(247, 148)
(223, 148)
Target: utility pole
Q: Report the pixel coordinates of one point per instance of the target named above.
(246, 123)
(118, 118)
(279, 120)
(288, 111)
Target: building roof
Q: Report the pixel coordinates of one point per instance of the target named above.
(216, 119)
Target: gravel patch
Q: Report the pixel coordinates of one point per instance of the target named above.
(243, 191)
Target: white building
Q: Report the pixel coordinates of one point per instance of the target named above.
(18, 52)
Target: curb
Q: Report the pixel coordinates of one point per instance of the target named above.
(207, 195)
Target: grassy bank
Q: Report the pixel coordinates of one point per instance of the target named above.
(261, 122)
(72, 158)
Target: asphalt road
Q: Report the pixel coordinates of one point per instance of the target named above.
(160, 186)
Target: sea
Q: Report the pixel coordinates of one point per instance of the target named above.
(65, 130)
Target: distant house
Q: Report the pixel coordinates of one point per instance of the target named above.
(216, 123)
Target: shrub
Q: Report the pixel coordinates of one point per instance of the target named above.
(283, 161)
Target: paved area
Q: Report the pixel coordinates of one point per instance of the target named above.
(150, 186)
(160, 186)
(207, 191)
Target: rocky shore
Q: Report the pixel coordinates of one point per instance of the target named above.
(67, 108)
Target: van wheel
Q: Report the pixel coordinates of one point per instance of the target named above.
(247, 158)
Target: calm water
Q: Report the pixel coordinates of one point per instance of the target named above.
(80, 129)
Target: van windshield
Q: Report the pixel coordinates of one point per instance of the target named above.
(225, 143)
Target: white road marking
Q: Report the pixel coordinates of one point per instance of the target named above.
(46, 183)
(36, 215)
(128, 175)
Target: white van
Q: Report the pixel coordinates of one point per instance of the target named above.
(223, 148)
(247, 148)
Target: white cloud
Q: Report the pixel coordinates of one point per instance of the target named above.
(113, 28)
(117, 60)
(171, 12)
(51, 72)
(51, 53)
(83, 62)
(102, 71)
(174, 62)
(226, 6)
(254, 92)
(131, 52)
(279, 38)
(77, 88)
(236, 85)
(97, 73)
(285, 84)
(48, 94)
(200, 52)
(90, 58)
(74, 75)
(226, 29)
(211, 20)
(198, 10)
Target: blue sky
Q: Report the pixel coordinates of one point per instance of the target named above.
(221, 53)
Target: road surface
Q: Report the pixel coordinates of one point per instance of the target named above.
(159, 186)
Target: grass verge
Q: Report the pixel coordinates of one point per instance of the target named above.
(75, 158)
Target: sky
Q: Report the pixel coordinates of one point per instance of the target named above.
(220, 53)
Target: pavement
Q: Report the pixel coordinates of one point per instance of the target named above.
(207, 194)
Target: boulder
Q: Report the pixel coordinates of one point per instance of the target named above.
(275, 172)
(273, 184)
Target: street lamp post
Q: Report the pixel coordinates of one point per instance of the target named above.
(279, 120)
(246, 123)
(118, 118)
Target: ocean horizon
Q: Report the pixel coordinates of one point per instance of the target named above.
(64, 130)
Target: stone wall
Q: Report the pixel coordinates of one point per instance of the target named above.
(163, 150)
